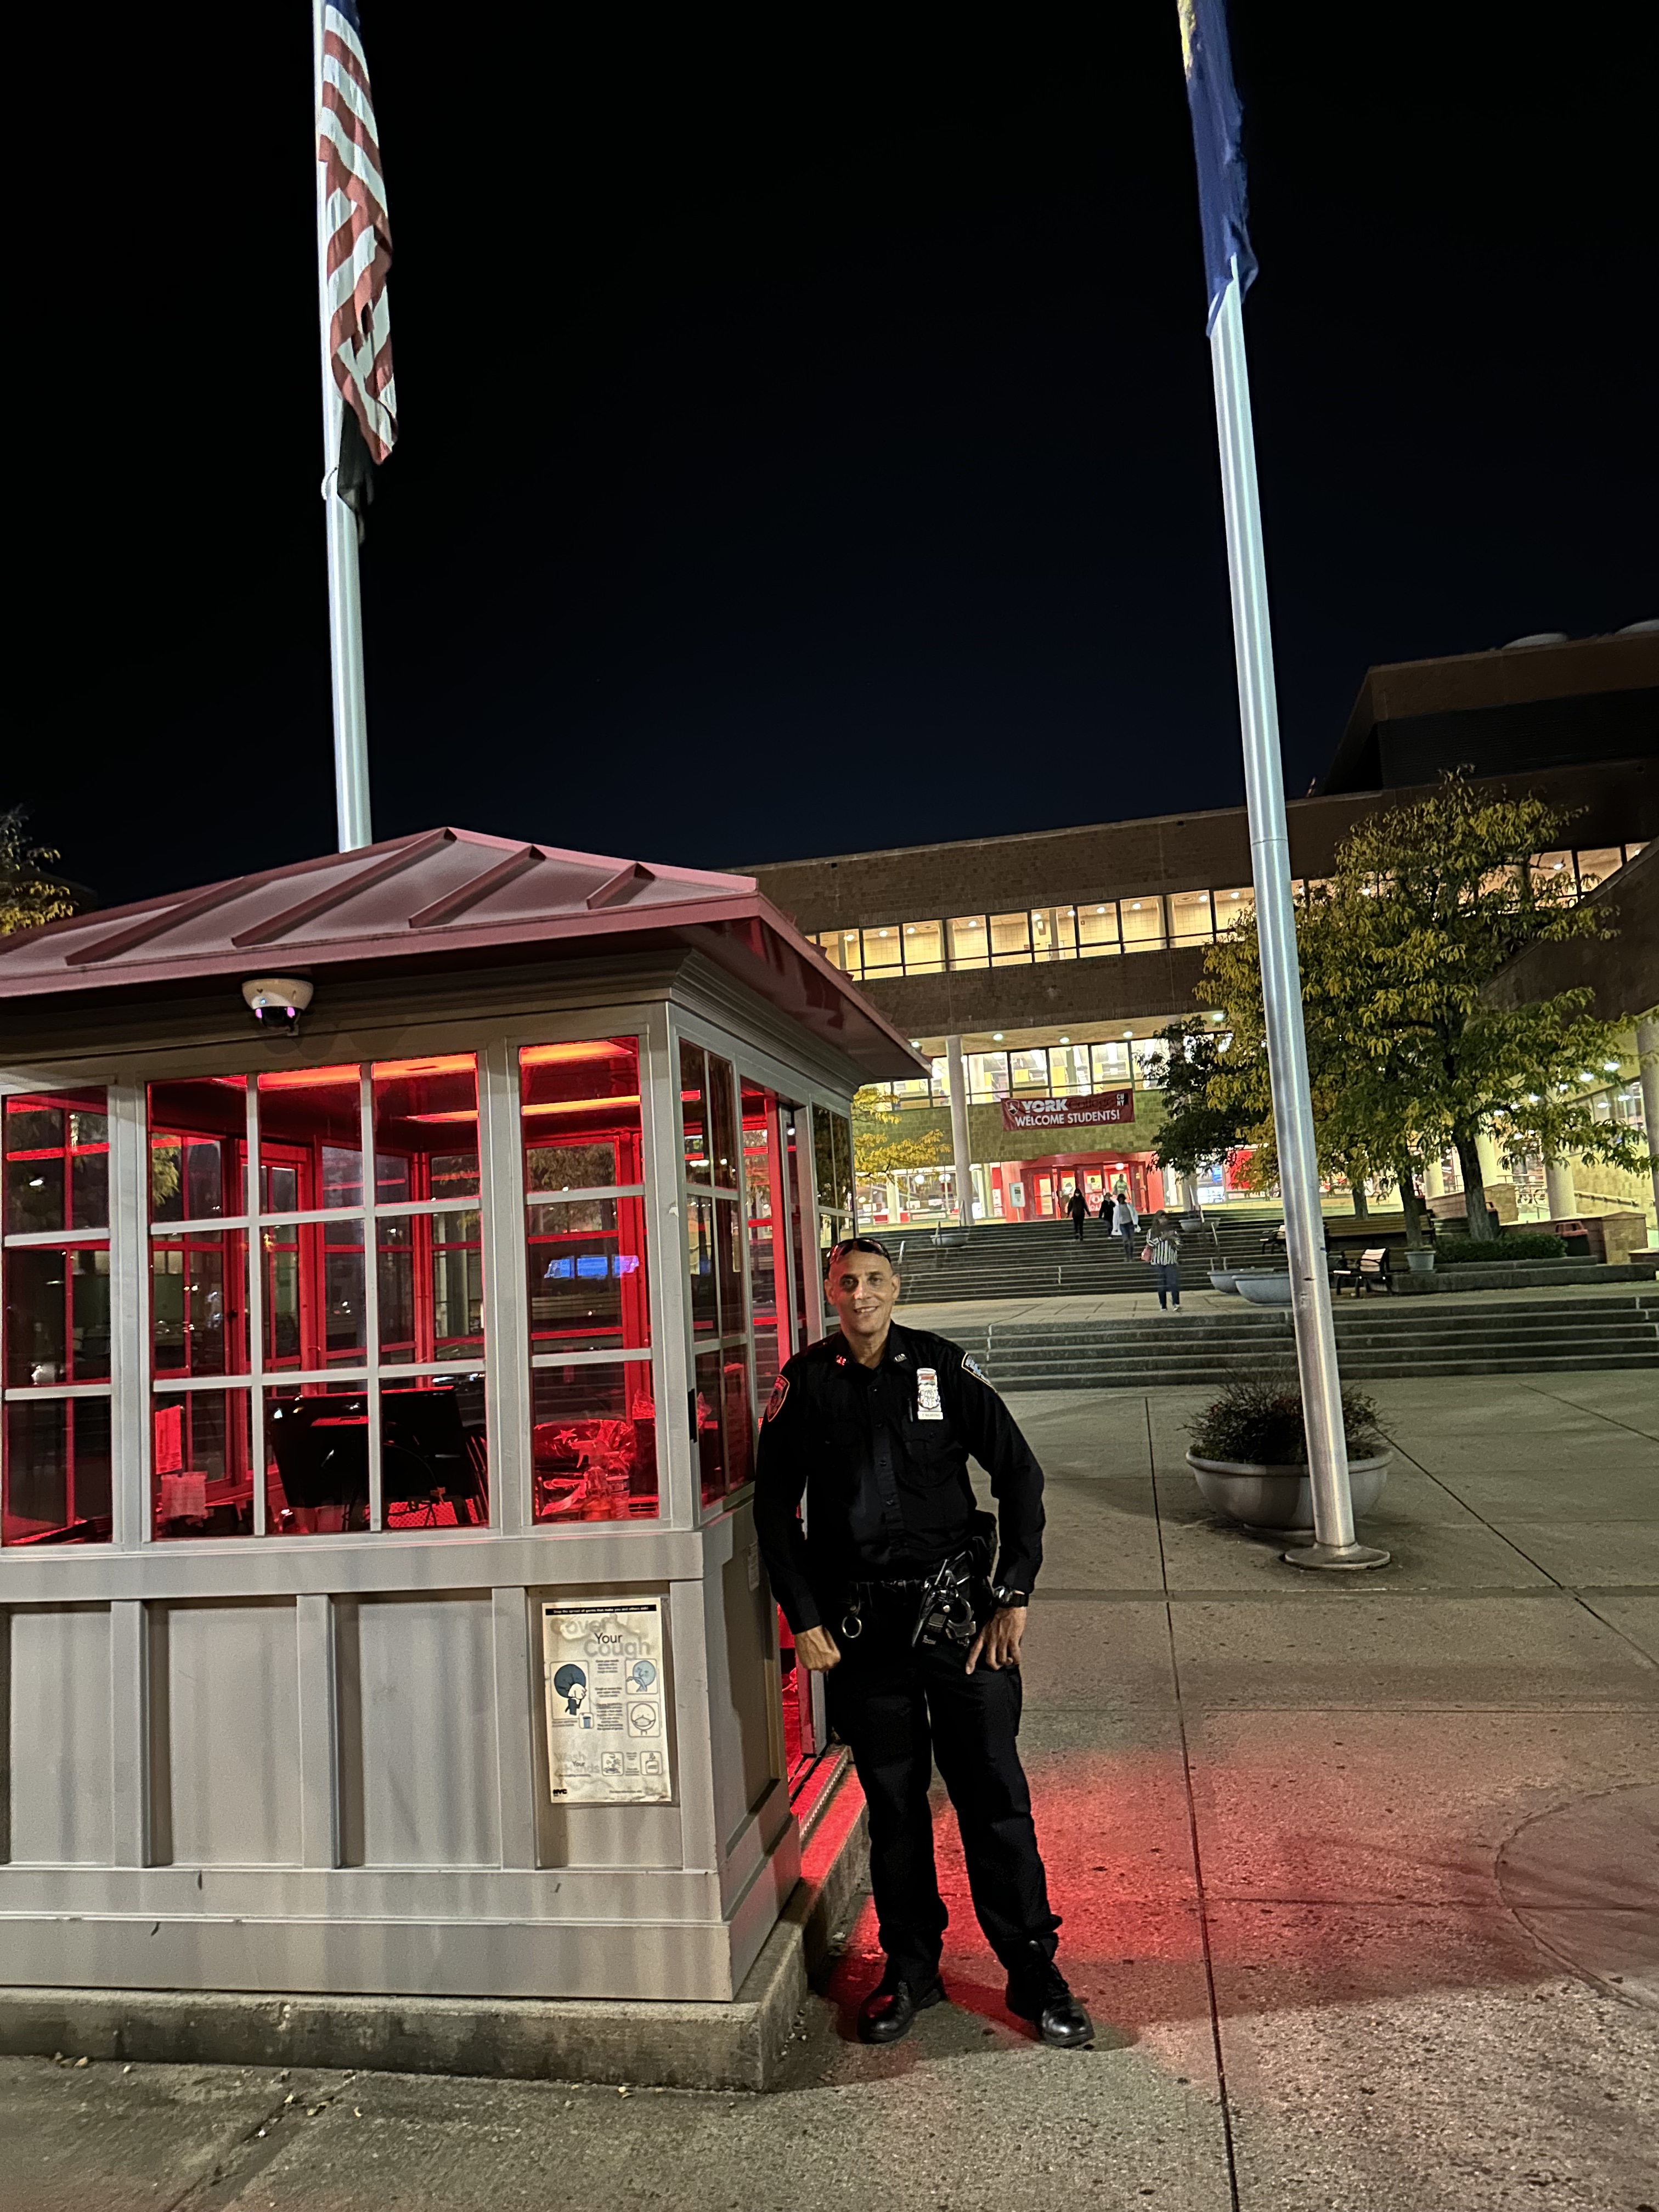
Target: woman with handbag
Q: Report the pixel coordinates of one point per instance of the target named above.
(1163, 1255)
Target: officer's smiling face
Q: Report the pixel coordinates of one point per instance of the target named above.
(863, 1290)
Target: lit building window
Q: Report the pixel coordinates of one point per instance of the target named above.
(1096, 930)
(924, 947)
(1189, 917)
(1010, 940)
(969, 941)
(1142, 921)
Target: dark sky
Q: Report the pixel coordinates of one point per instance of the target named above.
(807, 432)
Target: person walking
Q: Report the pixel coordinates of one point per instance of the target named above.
(1163, 1251)
(1077, 1207)
(892, 1598)
(1126, 1222)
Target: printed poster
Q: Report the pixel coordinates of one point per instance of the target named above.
(607, 1727)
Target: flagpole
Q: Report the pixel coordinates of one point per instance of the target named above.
(345, 614)
(1281, 981)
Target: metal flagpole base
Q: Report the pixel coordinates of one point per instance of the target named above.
(1336, 1559)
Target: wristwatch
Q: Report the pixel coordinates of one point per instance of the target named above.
(1004, 1597)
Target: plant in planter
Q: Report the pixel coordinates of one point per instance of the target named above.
(1249, 1453)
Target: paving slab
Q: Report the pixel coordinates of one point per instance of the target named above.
(1628, 1399)
(105, 2137)
(1083, 1655)
(1104, 1529)
(1582, 1555)
(1213, 1554)
(1425, 2060)
(1074, 1432)
(1616, 1483)
(1634, 1617)
(1352, 1647)
(1347, 1807)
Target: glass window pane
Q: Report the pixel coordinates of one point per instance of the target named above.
(706, 1389)
(832, 1159)
(316, 1458)
(1596, 863)
(1142, 920)
(1553, 869)
(1108, 1065)
(56, 1315)
(1053, 932)
(198, 1302)
(579, 1113)
(987, 1076)
(426, 1127)
(1010, 940)
(57, 1148)
(1029, 1072)
(315, 1301)
(727, 1155)
(198, 1148)
(311, 1140)
(924, 947)
(1096, 930)
(728, 1266)
(588, 1287)
(694, 1111)
(593, 1442)
(737, 1416)
(969, 941)
(201, 1464)
(883, 949)
(1068, 1069)
(1189, 917)
(764, 1213)
(830, 944)
(1234, 906)
(700, 1268)
(56, 1486)
(852, 958)
(431, 1286)
(435, 1459)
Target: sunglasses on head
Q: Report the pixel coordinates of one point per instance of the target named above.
(858, 1244)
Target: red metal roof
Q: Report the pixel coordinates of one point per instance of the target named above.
(440, 899)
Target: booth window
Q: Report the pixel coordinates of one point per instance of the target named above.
(336, 1384)
(593, 1433)
(55, 1479)
(722, 1402)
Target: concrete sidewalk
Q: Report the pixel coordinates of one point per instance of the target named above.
(1359, 1876)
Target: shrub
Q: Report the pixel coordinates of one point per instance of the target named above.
(1258, 1417)
(1513, 1244)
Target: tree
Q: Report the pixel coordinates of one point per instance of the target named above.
(29, 896)
(1405, 1053)
(1204, 1120)
(880, 1145)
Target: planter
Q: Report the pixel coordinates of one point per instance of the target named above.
(1419, 1262)
(1262, 1288)
(1224, 1279)
(1278, 1500)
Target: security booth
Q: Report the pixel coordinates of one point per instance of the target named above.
(398, 1248)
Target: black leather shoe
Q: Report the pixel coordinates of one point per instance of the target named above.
(888, 2012)
(1047, 2001)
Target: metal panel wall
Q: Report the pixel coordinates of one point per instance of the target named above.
(60, 1763)
(225, 1713)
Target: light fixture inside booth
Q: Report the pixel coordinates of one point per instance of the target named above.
(277, 1000)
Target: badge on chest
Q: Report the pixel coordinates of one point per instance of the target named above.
(929, 1407)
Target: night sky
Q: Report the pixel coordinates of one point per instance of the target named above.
(807, 438)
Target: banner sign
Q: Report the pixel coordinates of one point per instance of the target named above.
(607, 1734)
(1068, 1113)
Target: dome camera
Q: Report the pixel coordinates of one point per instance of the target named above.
(275, 1000)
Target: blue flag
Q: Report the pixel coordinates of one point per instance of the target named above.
(1217, 118)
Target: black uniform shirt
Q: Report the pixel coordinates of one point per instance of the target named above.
(881, 1457)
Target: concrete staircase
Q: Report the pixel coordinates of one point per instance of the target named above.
(1422, 1337)
(1039, 1258)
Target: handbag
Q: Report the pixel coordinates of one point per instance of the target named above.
(1146, 1254)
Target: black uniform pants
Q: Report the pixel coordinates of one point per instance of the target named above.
(899, 1710)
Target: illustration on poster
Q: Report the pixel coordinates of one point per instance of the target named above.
(642, 1675)
(571, 1684)
(607, 1719)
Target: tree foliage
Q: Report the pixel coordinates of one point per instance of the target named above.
(1203, 1121)
(28, 894)
(1406, 1052)
(881, 1145)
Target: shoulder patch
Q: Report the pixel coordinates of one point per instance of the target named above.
(774, 1403)
(971, 1366)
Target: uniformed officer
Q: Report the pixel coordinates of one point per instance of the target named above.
(889, 1588)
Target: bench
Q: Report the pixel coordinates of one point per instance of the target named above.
(1370, 1272)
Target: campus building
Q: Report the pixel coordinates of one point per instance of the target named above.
(1047, 963)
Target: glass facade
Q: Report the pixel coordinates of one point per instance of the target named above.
(54, 1215)
(1098, 929)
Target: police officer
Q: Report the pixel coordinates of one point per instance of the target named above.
(888, 1589)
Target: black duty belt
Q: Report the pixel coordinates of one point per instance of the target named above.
(945, 1605)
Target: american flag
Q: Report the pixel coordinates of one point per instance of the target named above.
(357, 255)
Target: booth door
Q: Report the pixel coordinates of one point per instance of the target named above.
(776, 1168)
